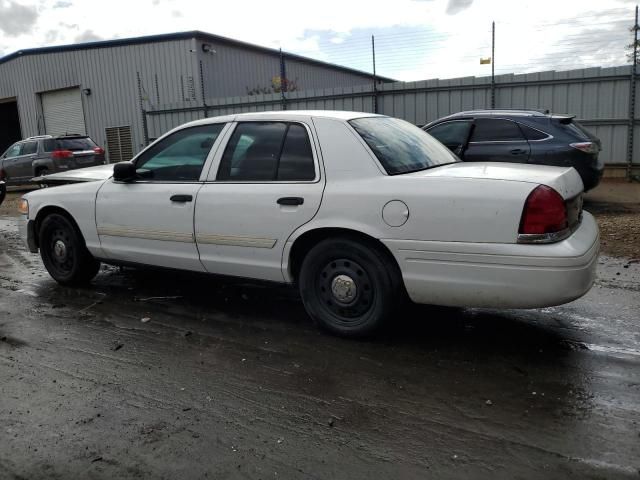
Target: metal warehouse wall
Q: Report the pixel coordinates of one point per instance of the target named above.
(234, 70)
(599, 97)
(169, 73)
(110, 73)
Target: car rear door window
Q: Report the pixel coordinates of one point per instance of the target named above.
(267, 151)
(296, 161)
(180, 156)
(29, 148)
(496, 130)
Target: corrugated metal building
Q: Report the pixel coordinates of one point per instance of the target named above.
(102, 88)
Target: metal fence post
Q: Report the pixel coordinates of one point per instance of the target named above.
(204, 101)
(143, 113)
(283, 81)
(493, 65)
(375, 83)
(632, 100)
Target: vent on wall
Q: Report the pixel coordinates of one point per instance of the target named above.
(119, 146)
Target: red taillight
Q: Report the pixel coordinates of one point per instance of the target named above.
(544, 212)
(99, 150)
(62, 154)
(586, 147)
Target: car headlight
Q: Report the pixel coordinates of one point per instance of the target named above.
(23, 207)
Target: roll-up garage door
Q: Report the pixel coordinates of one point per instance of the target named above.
(62, 111)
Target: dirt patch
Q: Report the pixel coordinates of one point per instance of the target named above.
(616, 206)
(620, 233)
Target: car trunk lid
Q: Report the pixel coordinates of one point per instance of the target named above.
(566, 181)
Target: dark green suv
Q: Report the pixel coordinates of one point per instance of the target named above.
(42, 155)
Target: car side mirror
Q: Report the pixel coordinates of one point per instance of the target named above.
(124, 172)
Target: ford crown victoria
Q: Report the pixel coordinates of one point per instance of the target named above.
(357, 210)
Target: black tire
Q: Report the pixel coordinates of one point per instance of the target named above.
(64, 253)
(3, 191)
(348, 287)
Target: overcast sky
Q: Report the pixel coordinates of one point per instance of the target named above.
(415, 39)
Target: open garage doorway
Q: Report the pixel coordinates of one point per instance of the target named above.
(9, 123)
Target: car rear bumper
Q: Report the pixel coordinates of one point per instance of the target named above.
(499, 275)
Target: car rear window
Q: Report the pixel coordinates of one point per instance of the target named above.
(73, 144)
(576, 129)
(532, 133)
(400, 146)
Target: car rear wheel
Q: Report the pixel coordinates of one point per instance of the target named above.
(349, 288)
(64, 253)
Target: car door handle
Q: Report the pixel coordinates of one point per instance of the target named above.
(181, 198)
(290, 201)
(518, 151)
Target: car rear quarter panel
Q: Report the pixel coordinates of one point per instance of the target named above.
(78, 200)
(441, 209)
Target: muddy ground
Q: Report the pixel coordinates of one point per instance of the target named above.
(157, 375)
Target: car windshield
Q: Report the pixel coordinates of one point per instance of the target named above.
(400, 146)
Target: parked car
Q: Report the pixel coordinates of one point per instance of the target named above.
(355, 209)
(46, 154)
(521, 136)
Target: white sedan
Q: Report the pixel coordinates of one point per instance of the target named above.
(357, 210)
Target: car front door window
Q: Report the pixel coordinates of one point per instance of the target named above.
(453, 134)
(179, 157)
(29, 148)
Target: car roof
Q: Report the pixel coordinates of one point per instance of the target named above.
(53, 137)
(501, 113)
(284, 115)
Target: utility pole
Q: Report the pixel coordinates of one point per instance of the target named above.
(375, 86)
(493, 65)
(632, 99)
(283, 81)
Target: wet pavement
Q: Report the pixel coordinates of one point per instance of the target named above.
(165, 375)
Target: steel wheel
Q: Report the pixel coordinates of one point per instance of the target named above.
(61, 252)
(346, 290)
(347, 287)
(64, 253)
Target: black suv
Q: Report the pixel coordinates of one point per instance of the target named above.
(46, 154)
(521, 136)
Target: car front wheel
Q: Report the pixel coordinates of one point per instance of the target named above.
(349, 288)
(64, 253)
